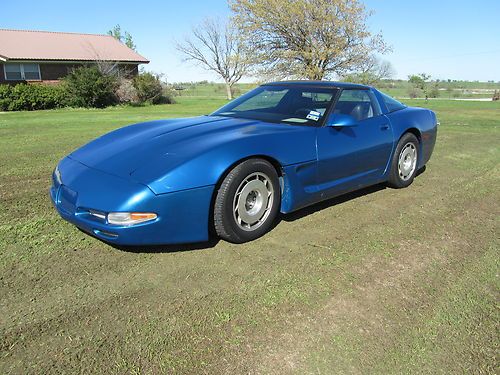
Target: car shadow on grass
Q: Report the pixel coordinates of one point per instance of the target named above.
(303, 212)
(296, 215)
(306, 211)
(168, 248)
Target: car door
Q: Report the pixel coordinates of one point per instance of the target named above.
(357, 155)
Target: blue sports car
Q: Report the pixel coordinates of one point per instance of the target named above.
(278, 148)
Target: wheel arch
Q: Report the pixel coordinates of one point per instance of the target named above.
(417, 134)
(413, 131)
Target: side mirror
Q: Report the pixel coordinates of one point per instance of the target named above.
(339, 121)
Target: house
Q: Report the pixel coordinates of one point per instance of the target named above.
(45, 56)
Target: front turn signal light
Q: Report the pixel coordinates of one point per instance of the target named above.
(130, 218)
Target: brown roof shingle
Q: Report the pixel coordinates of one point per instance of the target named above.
(47, 45)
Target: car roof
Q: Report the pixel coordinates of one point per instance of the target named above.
(326, 84)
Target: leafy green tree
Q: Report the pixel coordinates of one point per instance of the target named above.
(417, 81)
(310, 39)
(124, 37)
(420, 83)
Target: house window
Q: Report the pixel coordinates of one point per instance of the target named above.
(17, 72)
(13, 72)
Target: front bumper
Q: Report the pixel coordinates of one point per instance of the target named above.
(79, 190)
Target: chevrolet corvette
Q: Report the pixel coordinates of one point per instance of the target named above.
(278, 148)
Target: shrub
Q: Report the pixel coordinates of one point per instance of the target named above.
(168, 95)
(88, 87)
(414, 92)
(85, 87)
(5, 97)
(31, 97)
(149, 89)
(126, 92)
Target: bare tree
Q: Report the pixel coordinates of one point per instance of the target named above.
(380, 69)
(310, 39)
(215, 46)
(108, 67)
(371, 72)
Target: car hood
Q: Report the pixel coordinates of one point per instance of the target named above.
(133, 151)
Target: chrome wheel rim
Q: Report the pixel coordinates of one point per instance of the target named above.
(407, 162)
(253, 201)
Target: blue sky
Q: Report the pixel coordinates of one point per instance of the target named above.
(444, 38)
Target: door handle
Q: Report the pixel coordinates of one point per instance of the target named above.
(384, 127)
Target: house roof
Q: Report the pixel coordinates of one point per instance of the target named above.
(55, 46)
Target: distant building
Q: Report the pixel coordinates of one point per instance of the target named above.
(44, 56)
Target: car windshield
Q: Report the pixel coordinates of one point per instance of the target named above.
(287, 103)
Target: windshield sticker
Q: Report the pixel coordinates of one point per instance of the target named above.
(313, 115)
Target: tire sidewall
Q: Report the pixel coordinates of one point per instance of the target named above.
(394, 179)
(241, 172)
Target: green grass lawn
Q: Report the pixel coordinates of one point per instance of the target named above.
(384, 281)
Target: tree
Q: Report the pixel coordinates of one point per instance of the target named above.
(419, 82)
(433, 92)
(372, 72)
(125, 37)
(311, 39)
(215, 46)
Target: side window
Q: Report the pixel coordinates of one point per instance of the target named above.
(360, 104)
(316, 101)
(392, 104)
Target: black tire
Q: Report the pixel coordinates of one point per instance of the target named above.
(397, 178)
(228, 224)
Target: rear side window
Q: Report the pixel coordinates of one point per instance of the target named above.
(360, 104)
(392, 104)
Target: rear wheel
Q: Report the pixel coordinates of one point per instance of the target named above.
(247, 201)
(404, 162)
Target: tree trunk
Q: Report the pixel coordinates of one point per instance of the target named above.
(229, 92)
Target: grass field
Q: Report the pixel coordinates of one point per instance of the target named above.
(382, 281)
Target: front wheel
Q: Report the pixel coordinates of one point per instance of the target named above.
(247, 201)
(404, 162)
